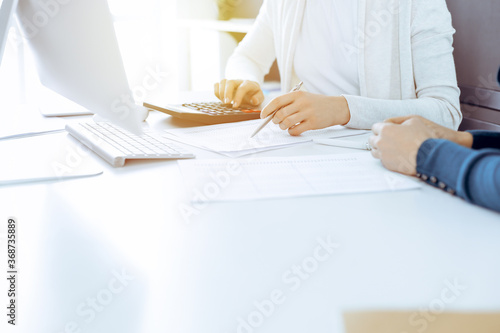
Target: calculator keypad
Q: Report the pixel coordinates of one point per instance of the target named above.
(218, 109)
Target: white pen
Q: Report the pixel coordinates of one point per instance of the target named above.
(268, 119)
(344, 143)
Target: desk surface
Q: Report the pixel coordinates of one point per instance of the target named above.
(113, 254)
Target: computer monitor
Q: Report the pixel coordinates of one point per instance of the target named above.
(6, 10)
(477, 58)
(77, 55)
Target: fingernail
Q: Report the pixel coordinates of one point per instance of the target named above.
(255, 101)
(226, 101)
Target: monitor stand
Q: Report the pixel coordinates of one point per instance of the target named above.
(51, 104)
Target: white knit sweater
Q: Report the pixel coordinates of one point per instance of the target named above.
(404, 50)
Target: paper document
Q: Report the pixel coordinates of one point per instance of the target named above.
(261, 178)
(24, 120)
(50, 157)
(233, 139)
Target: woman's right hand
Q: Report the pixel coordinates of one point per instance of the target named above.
(238, 92)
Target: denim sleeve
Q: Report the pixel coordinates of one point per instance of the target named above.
(485, 139)
(473, 175)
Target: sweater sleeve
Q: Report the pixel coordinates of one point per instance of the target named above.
(473, 175)
(434, 74)
(255, 55)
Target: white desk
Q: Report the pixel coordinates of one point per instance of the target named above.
(396, 252)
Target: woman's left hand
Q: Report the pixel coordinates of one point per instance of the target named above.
(302, 111)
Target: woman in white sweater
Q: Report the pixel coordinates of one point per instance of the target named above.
(361, 61)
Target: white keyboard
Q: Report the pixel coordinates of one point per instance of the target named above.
(115, 145)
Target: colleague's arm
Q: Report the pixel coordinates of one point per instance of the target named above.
(473, 175)
(433, 69)
(485, 139)
(442, 157)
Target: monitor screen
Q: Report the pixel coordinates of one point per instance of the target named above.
(6, 10)
(76, 53)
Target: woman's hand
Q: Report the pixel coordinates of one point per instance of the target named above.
(396, 141)
(301, 111)
(238, 92)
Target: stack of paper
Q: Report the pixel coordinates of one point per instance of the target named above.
(261, 178)
(24, 120)
(50, 157)
(234, 140)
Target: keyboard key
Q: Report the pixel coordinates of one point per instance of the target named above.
(115, 144)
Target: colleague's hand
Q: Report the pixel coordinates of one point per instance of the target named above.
(397, 145)
(462, 138)
(397, 140)
(238, 92)
(302, 111)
